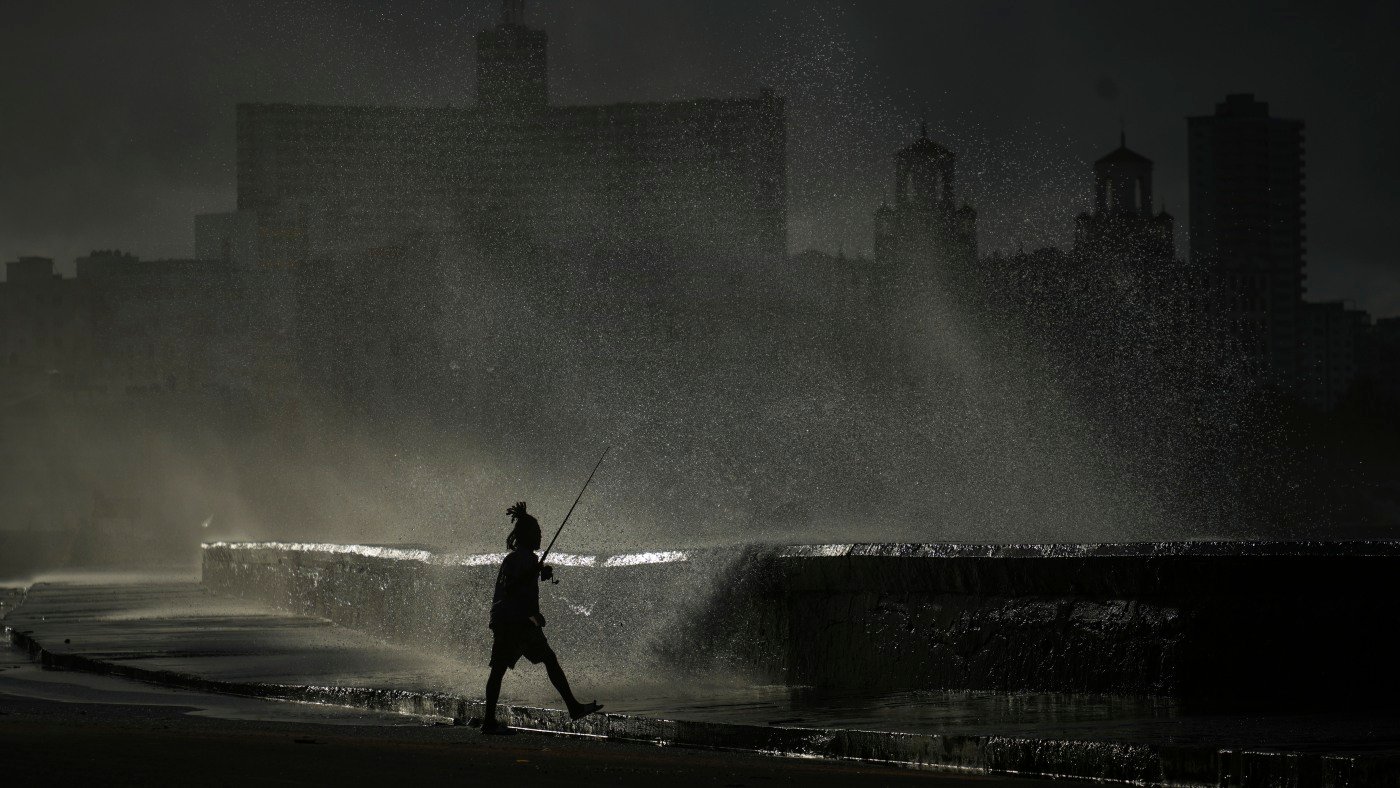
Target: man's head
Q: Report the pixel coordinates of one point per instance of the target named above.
(526, 533)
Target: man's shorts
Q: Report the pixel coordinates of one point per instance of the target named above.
(513, 641)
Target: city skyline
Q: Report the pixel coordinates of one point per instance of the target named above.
(1025, 142)
(998, 388)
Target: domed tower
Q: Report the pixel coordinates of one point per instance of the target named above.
(923, 174)
(1123, 182)
(1122, 233)
(926, 235)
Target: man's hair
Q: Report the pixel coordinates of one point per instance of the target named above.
(527, 528)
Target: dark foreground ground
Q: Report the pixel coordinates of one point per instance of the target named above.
(70, 743)
(177, 635)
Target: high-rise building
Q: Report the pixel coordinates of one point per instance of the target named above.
(694, 179)
(1248, 229)
(925, 236)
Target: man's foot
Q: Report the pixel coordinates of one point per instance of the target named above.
(493, 728)
(583, 710)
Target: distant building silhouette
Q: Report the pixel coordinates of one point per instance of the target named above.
(1332, 352)
(1124, 255)
(1044, 287)
(512, 64)
(120, 324)
(44, 319)
(160, 323)
(1248, 229)
(926, 236)
(1382, 362)
(30, 270)
(1120, 276)
(1121, 233)
(701, 178)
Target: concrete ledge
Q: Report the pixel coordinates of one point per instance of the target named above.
(10, 597)
(1192, 549)
(635, 609)
(1213, 621)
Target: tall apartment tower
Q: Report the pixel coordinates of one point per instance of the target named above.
(512, 63)
(1248, 229)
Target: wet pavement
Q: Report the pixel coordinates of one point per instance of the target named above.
(1047, 716)
(21, 677)
(74, 743)
(179, 632)
(179, 628)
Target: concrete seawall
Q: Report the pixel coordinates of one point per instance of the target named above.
(615, 612)
(1239, 622)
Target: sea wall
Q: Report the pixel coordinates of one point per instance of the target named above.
(1205, 621)
(633, 611)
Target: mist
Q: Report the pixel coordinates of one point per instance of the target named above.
(427, 354)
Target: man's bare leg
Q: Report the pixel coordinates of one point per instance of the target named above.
(493, 694)
(561, 683)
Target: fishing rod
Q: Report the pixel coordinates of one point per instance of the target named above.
(571, 508)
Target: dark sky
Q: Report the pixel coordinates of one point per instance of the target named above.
(117, 121)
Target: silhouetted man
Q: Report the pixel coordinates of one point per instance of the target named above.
(517, 622)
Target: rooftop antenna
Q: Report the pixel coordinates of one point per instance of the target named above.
(512, 12)
(1122, 133)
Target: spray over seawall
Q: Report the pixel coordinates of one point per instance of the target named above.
(1181, 620)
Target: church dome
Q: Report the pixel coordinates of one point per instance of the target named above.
(1123, 154)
